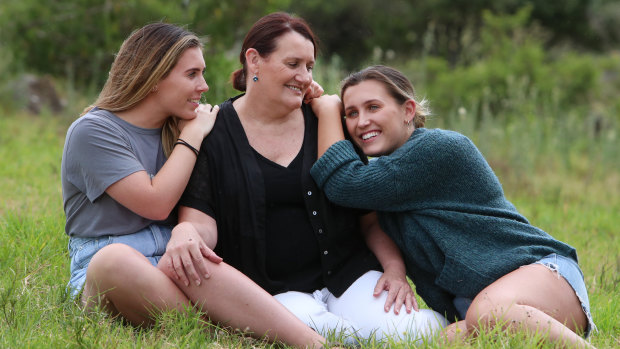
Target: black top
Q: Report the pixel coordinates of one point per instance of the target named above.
(227, 184)
(289, 235)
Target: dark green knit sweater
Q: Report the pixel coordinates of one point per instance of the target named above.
(438, 198)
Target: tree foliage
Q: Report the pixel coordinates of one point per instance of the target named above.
(354, 29)
(77, 39)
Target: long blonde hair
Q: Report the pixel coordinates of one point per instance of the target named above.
(145, 57)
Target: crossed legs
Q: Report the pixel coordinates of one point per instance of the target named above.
(124, 282)
(357, 314)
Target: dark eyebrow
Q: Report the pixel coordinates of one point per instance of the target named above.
(366, 102)
(296, 58)
(195, 69)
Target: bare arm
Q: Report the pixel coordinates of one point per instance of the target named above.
(328, 109)
(155, 198)
(204, 224)
(394, 279)
(192, 240)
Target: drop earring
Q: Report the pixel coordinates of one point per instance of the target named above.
(255, 78)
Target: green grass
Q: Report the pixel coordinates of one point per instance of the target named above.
(568, 186)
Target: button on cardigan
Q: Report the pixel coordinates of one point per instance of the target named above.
(227, 185)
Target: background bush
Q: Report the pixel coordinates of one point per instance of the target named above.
(502, 57)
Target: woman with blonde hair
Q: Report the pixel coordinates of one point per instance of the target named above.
(125, 163)
(470, 253)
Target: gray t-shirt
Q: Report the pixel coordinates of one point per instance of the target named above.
(100, 149)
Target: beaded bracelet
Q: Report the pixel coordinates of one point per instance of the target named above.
(180, 141)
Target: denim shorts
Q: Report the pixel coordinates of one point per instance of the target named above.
(150, 241)
(569, 270)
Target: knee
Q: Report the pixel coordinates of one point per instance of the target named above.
(434, 320)
(429, 322)
(455, 333)
(486, 311)
(112, 261)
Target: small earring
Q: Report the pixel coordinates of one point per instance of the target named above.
(255, 78)
(154, 89)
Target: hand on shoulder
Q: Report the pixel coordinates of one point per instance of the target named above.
(314, 91)
(204, 120)
(327, 106)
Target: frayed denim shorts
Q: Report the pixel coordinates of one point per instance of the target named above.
(565, 267)
(569, 270)
(150, 241)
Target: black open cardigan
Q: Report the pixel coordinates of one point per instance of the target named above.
(227, 185)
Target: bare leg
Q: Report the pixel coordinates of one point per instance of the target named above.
(456, 332)
(533, 298)
(232, 299)
(124, 282)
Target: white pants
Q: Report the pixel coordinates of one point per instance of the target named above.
(357, 314)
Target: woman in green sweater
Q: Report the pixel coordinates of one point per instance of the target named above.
(470, 253)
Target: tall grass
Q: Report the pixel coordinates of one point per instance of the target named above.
(563, 179)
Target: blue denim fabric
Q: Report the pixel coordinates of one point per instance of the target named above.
(150, 241)
(462, 305)
(570, 271)
(564, 266)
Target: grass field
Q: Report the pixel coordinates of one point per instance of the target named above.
(567, 182)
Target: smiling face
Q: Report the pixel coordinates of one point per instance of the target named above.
(376, 123)
(179, 92)
(286, 73)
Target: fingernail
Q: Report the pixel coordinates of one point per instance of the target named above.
(197, 282)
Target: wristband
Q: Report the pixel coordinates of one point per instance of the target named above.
(180, 141)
